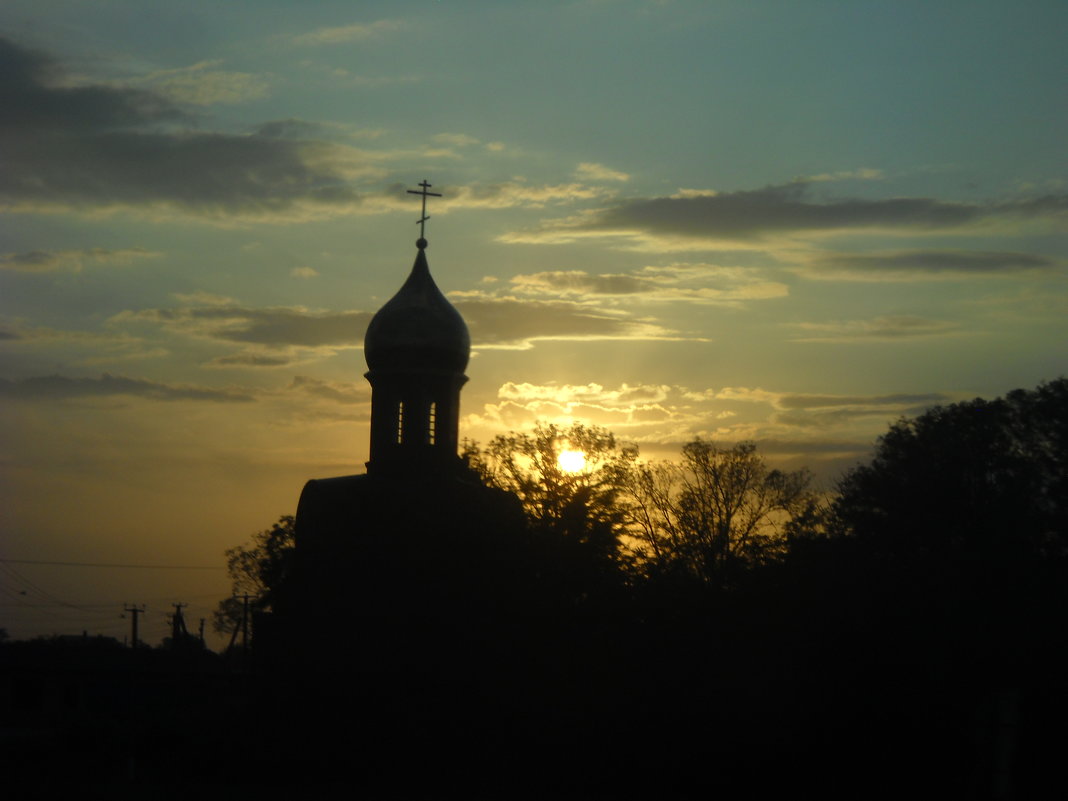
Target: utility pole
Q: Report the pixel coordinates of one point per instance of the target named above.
(135, 611)
(178, 632)
(241, 629)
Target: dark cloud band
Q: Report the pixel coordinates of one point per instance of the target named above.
(57, 387)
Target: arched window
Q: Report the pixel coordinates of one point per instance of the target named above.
(400, 422)
(432, 424)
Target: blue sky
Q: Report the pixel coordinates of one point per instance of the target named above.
(788, 222)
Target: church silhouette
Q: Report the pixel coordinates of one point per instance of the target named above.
(420, 620)
(416, 555)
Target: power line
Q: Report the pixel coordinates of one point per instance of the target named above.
(34, 587)
(108, 564)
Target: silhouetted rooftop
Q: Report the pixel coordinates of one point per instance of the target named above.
(418, 328)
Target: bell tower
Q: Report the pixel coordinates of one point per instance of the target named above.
(417, 347)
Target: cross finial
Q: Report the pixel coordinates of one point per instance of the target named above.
(421, 222)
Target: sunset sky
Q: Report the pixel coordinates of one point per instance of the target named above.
(787, 222)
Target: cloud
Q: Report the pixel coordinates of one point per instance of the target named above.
(272, 327)
(863, 174)
(36, 99)
(348, 78)
(40, 261)
(277, 336)
(56, 387)
(589, 171)
(775, 211)
(628, 406)
(98, 148)
(202, 298)
(625, 394)
(503, 195)
(81, 347)
(692, 283)
(510, 194)
(338, 391)
(886, 328)
(250, 360)
(290, 128)
(304, 272)
(825, 431)
(456, 139)
(508, 322)
(798, 401)
(357, 32)
(829, 418)
(801, 401)
(580, 282)
(917, 265)
(201, 85)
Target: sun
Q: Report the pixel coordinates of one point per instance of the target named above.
(571, 461)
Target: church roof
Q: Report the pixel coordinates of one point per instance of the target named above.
(418, 329)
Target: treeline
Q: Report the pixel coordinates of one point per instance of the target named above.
(713, 624)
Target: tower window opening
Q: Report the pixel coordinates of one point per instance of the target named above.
(400, 422)
(432, 424)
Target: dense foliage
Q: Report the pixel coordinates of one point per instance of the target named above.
(256, 570)
(719, 616)
(982, 481)
(716, 513)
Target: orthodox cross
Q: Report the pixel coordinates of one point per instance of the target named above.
(422, 220)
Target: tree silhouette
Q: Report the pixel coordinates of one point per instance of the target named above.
(721, 510)
(581, 507)
(257, 569)
(979, 482)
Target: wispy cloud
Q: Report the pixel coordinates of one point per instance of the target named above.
(356, 32)
(456, 139)
(251, 359)
(281, 336)
(809, 401)
(509, 322)
(202, 84)
(786, 424)
(885, 328)
(778, 211)
(689, 283)
(97, 148)
(919, 265)
(509, 194)
(862, 174)
(345, 392)
(624, 394)
(271, 327)
(357, 79)
(56, 387)
(39, 261)
(501, 195)
(590, 171)
(201, 298)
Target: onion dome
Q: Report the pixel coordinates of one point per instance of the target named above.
(418, 329)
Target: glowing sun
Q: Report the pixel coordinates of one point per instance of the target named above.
(571, 461)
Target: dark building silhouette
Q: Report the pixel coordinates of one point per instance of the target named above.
(417, 348)
(415, 558)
